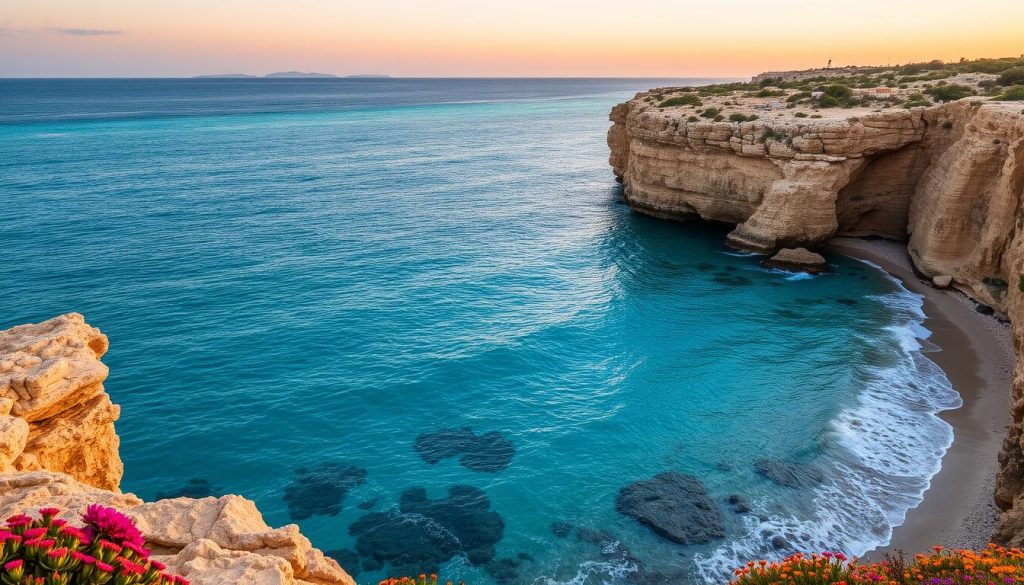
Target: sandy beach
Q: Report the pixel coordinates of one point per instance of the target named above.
(975, 352)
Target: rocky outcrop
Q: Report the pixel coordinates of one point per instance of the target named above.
(798, 260)
(58, 448)
(947, 179)
(59, 418)
(675, 506)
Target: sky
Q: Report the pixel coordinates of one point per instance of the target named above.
(481, 38)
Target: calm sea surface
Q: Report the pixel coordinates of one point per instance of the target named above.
(414, 317)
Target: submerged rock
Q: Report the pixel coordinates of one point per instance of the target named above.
(195, 488)
(797, 260)
(425, 533)
(561, 529)
(789, 473)
(489, 452)
(675, 506)
(321, 489)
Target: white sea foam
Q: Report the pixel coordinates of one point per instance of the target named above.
(881, 456)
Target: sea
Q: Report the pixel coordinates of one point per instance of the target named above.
(415, 317)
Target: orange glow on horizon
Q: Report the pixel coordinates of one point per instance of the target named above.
(728, 38)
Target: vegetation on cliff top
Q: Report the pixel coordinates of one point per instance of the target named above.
(993, 566)
(49, 551)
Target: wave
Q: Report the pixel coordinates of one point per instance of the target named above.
(881, 455)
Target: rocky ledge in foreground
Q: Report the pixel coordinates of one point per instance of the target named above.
(58, 449)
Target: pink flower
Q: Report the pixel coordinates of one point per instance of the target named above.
(82, 558)
(108, 522)
(107, 545)
(19, 520)
(51, 512)
(158, 565)
(13, 565)
(137, 549)
(57, 553)
(104, 567)
(35, 532)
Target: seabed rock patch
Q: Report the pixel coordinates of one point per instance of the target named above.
(489, 452)
(789, 473)
(423, 533)
(675, 506)
(195, 488)
(321, 489)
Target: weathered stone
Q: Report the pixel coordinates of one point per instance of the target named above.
(13, 438)
(942, 281)
(797, 259)
(673, 505)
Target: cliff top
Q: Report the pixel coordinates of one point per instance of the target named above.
(841, 93)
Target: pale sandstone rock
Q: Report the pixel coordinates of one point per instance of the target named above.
(52, 380)
(13, 438)
(942, 281)
(215, 540)
(57, 431)
(50, 366)
(798, 259)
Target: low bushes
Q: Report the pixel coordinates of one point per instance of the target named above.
(948, 93)
(683, 100)
(1012, 76)
(49, 551)
(946, 567)
(737, 117)
(1014, 94)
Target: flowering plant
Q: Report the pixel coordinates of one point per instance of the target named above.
(49, 551)
(995, 565)
(423, 580)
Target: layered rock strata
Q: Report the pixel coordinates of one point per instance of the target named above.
(58, 448)
(947, 179)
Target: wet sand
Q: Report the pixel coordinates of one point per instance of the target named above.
(975, 352)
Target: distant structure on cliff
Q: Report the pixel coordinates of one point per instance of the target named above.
(828, 71)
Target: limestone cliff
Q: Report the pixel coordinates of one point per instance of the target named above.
(58, 448)
(947, 179)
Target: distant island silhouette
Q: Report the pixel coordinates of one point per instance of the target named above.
(290, 75)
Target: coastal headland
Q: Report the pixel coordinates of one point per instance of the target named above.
(930, 158)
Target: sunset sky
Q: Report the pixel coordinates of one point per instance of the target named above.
(479, 38)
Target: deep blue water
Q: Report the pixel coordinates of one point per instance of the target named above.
(301, 278)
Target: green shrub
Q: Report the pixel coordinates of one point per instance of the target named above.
(772, 134)
(767, 93)
(798, 96)
(710, 113)
(682, 100)
(827, 101)
(1012, 76)
(916, 103)
(800, 115)
(838, 91)
(1014, 94)
(738, 117)
(815, 115)
(948, 93)
(693, 119)
(719, 118)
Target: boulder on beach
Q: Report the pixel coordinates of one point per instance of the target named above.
(942, 281)
(797, 260)
(675, 506)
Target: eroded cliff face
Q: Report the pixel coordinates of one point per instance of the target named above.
(947, 179)
(58, 448)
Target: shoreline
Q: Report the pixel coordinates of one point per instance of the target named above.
(974, 351)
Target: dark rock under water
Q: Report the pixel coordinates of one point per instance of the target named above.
(321, 489)
(676, 506)
(489, 452)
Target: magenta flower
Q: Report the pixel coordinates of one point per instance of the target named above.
(102, 521)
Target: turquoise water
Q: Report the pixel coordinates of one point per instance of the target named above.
(301, 279)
